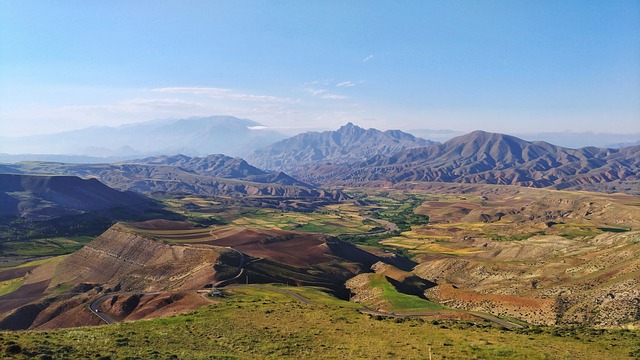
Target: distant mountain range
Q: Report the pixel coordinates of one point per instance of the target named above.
(222, 166)
(573, 140)
(489, 158)
(348, 155)
(202, 136)
(209, 176)
(348, 144)
(193, 136)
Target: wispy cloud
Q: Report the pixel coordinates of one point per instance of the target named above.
(346, 84)
(135, 105)
(334, 97)
(158, 102)
(323, 82)
(324, 94)
(220, 93)
(369, 57)
(314, 92)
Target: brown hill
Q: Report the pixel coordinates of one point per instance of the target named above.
(57, 293)
(45, 197)
(282, 256)
(543, 279)
(121, 257)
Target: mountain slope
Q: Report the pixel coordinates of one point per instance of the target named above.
(211, 176)
(44, 197)
(198, 135)
(348, 144)
(222, 166)
(481, 157)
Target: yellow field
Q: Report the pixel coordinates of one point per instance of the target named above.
(331, 220)
(426, 245)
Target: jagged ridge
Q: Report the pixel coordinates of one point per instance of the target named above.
(348, 144)
(481, 157)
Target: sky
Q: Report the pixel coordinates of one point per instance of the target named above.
(504, 66)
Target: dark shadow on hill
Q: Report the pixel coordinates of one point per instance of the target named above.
(345, 261)
(91, 223)
(412, 285)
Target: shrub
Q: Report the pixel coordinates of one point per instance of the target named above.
(13, 349)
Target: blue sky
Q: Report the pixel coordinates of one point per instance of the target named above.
(503, 66)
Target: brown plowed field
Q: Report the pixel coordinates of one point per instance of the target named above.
(296, 249)
(288, 247)
(15, 273)
(24, 295)
(161, 224)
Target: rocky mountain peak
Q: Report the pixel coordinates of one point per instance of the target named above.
(349, 144)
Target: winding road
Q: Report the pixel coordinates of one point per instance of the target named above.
(491, 318)
(95, 304)
(240, 269)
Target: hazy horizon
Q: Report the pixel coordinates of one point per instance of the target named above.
(292, 131)
(508, 67)
(199, 136)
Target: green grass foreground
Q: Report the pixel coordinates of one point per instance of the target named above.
(258, 322)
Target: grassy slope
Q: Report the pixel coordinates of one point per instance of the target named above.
(46, 246)
(397, 300)
(331, 220)
(258, 323)
(9, 286)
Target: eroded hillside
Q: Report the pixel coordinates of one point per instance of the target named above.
(57, 293)
(545, 257)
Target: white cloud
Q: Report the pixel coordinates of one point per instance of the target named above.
(324, 82)
(314, 92)
(159, 102)
(323, 94)
(346, 84)
(334, 97)
(369, 57)
(220, 93)
(137, 105)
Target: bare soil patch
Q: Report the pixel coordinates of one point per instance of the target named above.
(15, 272)
(161, 224)
(291, 248)
(150, 306)
(24, 295)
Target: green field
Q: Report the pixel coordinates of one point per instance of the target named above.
(330, 220)
(254, 323)
(397, 300)
(9, 286)
(45, 246)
